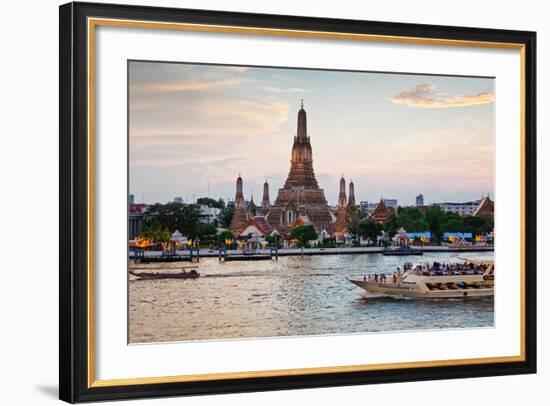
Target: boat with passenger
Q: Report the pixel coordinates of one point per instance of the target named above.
(145, 272)
(473, 276)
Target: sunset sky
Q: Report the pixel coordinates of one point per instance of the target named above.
(194, 128)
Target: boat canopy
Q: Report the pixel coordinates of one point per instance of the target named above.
(478, 259)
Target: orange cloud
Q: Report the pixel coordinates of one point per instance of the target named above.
(274, 89)
(425, 96)
(192, 85)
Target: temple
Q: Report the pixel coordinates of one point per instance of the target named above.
(299, 202)
(381, 213)
(301, 196)
(486, 207)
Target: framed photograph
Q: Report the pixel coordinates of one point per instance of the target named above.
(256, 202)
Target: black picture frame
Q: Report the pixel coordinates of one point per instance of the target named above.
(74, 385)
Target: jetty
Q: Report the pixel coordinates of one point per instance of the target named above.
(146, 257)
(248, 255)
(194, 255)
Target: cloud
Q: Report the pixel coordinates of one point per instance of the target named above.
(208, 121)
(273, 89)
(239, 69)
(425, 96)
(188, 85)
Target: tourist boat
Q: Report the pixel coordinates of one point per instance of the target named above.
(473, 277)
(152, 274)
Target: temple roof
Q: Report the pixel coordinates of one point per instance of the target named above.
(485, 207)
(381, 213)
(260, 223)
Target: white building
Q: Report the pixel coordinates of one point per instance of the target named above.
(208, 215)
(462, 209)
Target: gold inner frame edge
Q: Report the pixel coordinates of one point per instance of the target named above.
(94, 22)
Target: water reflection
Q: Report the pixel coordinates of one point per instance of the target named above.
(293, 296)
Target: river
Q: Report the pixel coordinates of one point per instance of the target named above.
(290, 297)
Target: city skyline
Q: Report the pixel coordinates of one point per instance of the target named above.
(194, 128)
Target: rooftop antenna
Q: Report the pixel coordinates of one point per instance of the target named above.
(302, 103)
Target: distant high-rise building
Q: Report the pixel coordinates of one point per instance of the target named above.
(131, 199)
(178, 199)
(390, 203)
(420, 200)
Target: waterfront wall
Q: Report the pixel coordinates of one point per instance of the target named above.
(205, 252)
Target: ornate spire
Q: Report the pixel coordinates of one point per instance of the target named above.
(265, 199)
(351, 198)
(239, 198)
(342, 201)
(341, 225)
(251, 209)
(239, 219)
(302, 123)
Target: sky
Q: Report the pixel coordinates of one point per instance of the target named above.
(194, 128)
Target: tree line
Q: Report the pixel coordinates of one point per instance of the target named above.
(434, 220)
(160, 220)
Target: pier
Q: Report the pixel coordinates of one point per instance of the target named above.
(248, 255)
(194, 255)
(146, 257)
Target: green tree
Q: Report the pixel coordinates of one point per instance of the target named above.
(173, 216)
(435, 217)
(478, 225)
(226, 215)
(226, 235)
(353, 217)
(303, 234)
(208, 201)
(411, 219)
(452, 226)
(369, 229)
(157, 234)
(391, 225)
(207, 231)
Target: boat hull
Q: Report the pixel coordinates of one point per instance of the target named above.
(420, 290)
(165, 275)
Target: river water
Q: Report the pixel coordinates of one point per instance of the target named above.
(292, 296)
